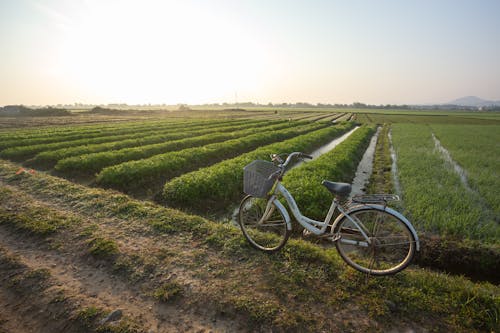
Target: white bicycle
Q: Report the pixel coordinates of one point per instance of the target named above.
(370, 236)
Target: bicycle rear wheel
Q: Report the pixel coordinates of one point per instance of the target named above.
(392, 244)
(267, 234)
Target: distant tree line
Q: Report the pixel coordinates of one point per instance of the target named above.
(356, 105)
(23, 111)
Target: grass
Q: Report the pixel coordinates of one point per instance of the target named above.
(88, 315)
(475, 259)
(433, 195)
(476, 149)
(168, 291)
(381, 178)
(101, 247)
(40, 221)
(259, 284)
(426, 117)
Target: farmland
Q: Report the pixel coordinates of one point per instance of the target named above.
(73, 247)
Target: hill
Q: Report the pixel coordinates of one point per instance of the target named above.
(473, 101)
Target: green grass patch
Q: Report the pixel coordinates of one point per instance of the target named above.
(434, 197)
(381, 178)
(88, 315)
(476, 149)
(101, 247)
(168, 291)
(37, 220)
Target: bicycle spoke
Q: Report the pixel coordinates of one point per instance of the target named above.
(391, 244)
(265, 232)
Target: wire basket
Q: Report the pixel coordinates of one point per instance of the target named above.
(256, 178)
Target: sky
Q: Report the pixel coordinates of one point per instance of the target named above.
(195, 52)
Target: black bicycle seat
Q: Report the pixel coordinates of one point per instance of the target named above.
(341, 189)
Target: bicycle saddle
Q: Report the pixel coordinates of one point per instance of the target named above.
(341, 189)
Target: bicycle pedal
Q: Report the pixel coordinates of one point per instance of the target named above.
(336, 237)
(307, 233)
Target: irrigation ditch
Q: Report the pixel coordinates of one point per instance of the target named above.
(327, 147)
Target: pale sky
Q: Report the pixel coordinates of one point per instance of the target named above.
(189, 51)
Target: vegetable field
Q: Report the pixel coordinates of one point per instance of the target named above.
(433, 191)
(78, 242)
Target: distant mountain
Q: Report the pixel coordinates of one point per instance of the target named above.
(473, 101)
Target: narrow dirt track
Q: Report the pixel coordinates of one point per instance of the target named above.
(91, 286)
(93, 282)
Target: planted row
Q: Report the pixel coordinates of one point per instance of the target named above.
(49, 158)
(221, 184)
(24, 152)
(434, 197)
(136, 175)
(109, 131)
(92, 163)
(90, 132)
(46, 131)
(339, 165)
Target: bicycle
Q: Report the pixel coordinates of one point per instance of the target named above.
(369, 236)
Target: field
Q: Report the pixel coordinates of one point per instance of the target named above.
(132, 212)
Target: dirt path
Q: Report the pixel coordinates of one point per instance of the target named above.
(96, 288)
(65, 256)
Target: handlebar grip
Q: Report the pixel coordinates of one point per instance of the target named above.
(306, 156)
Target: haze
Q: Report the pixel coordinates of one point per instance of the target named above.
(195, 52)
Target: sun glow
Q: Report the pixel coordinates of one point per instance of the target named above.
(157, 52)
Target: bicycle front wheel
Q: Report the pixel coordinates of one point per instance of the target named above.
(391, 245)
(267, 233)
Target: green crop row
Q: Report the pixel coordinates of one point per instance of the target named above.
(434, 197)
(47, 131)
(221, 184)
(92, 163)
(477, 150)
(24, 152)
(51, 157)
(338, 165)
(97, 132)
(92, 132)
(138, 174)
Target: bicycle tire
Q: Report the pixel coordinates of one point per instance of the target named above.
(269, 235)
(392, 245)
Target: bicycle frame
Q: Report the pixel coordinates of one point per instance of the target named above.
(318, 227)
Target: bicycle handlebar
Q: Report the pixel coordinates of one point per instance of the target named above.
(277, 157)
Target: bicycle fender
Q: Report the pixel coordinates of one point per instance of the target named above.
(283, 210)
(381, 208)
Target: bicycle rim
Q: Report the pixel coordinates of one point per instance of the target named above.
(266, 235)
(391, 248)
